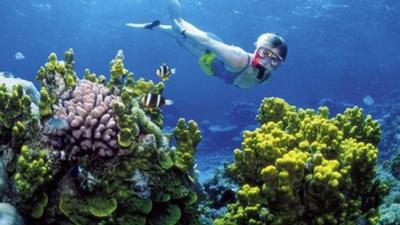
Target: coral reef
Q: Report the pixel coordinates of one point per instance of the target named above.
(93, 154)
(221, 191)
(302, 167)
(389, 209)
(96, 155)
(390, 214)
(395, 167)
(388, 112)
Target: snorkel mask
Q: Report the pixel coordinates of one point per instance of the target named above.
(267, 58)
(264, 58)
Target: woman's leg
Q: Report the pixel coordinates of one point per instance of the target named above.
(174, 8)
(175, 30)
(178, 24)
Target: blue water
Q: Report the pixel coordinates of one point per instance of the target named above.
(338, 49)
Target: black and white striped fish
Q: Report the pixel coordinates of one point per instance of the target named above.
(164, 72)
(154, 101)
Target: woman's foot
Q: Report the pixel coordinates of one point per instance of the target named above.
(152, 24)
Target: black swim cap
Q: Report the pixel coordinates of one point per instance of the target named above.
(275, 41)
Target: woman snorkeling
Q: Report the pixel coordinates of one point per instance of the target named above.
(230, 63)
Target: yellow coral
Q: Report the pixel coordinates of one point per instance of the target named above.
(303, 165)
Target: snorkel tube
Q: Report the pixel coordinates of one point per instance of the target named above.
(256, 63)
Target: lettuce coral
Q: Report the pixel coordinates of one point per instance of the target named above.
(302, 167)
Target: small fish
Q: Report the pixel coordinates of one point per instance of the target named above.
(164, 72)
(19, 56)
(155, 101)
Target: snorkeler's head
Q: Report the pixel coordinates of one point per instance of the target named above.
(274, 42)
(271, 50)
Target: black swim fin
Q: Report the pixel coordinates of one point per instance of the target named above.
(152, 24)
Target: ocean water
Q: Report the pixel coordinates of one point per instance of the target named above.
(341, 52)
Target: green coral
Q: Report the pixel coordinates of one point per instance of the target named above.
(143, 87)
(31, 176)
(140, 89)
(187, 136)
(137, 204)
(51, 65)
(301, 167)
(15, 116)
(32, 172)
(46, 103)
(38, 209)
(166, 161)
(131, 115)
(46, 74)
(122, 83)
(93, 77)
(128, 128)
(191, 198)
(166, 185)
(69, 75)
(131, 119)
(79, 210)
(146, 124)
(100, 207)
(55, 79)
(73, 209)
(117, 70)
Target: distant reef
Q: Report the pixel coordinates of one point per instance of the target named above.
(86, 151)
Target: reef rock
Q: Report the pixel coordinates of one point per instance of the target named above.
(9, 215)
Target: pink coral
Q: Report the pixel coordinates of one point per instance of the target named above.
(92, 126)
